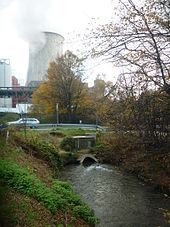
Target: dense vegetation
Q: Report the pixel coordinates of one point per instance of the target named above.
(61, 196)
(128, 153)
(28, 170)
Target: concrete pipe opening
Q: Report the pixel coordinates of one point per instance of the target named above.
(87, 161)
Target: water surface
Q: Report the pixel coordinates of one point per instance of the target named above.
(118, 199)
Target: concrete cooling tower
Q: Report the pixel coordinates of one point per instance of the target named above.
(39, 60)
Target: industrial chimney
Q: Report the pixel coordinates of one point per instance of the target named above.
(39, 60)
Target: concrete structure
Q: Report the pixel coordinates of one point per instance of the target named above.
(5, 81)
(39, 60)
(88, 159)
(84, 142)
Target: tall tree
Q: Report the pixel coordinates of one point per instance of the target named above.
(64, 86)
(101, 98)
(140, 39)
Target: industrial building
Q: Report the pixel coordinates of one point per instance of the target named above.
(39, 60)
(5, 81)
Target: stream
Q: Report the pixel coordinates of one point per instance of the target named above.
(118, 199)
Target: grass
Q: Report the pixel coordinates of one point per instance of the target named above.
(61, 196)
(73, 131)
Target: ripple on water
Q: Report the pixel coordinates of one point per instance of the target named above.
(97, 167)
(117, 199)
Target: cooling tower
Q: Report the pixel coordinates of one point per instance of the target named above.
(39, 60)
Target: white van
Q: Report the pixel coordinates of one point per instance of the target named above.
(29, 122)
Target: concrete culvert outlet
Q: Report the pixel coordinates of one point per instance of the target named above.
(88, 160)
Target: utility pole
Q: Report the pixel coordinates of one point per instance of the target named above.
(25, 122)
(57, 113)
(4, 80)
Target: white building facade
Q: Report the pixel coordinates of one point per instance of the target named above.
(5, 81)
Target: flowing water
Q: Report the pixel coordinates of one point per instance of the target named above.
(118, 199)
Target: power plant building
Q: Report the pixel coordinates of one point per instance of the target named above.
(39, 60)
(5, 81)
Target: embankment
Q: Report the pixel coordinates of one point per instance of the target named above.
(150, 166)
(31, 194)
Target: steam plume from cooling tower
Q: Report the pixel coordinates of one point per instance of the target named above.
(29, 18)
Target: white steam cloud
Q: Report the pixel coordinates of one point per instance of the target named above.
(29, 18)
(4, 4)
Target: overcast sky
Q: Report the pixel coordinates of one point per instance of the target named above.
(21, 20)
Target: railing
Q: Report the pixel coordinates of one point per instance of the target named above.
(61, 125)
(17, 91)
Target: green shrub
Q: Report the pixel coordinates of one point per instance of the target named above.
(66, 192)
(61, 196)
(84, 212)
(99, 147)
(20, 180)
(41, 149)
(80, 209)
(67, 144)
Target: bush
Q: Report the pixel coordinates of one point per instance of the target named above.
(66, 192)
(102, 147)
(68, 144)
(20, 180)
(50, 153)
(85, 213)
(41, 149)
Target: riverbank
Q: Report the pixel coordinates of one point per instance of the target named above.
(36, 154)
(151, 167)
(30, 192)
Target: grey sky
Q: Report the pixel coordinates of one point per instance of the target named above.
(22, 20)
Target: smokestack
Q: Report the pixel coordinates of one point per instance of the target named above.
(39, 59)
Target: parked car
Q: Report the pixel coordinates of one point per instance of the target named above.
(29, 122)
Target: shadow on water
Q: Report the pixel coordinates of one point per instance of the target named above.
(118, 199)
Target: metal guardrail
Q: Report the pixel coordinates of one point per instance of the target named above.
(61, 125)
